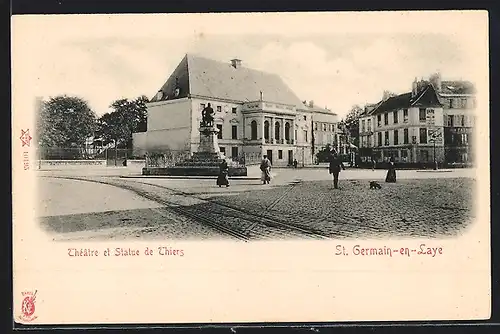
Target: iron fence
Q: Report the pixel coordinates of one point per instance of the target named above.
(165, 158)
(83, 153)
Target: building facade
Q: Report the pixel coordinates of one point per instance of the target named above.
(459, 105)
(255, 112)
(432, 123)
(406, 127)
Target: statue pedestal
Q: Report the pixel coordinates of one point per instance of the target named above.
(208, 141)
(205, 162)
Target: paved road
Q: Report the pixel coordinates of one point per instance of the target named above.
(299, 203)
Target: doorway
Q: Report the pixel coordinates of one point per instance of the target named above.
(270, 155)
(290, 157)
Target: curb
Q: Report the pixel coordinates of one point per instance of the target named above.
(435, 171)
(185, 177)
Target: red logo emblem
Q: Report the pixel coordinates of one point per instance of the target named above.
(28, 306)
(25, 137)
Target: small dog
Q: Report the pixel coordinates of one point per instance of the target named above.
(375, 185)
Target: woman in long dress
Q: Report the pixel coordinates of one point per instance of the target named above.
(222, 179)
(391, 172)
(265, 167)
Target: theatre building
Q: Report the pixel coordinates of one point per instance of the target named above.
(256, 113)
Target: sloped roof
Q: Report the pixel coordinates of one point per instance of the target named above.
(426, 97)
(214, 79)
(457, 87)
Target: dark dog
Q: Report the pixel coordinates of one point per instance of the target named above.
(375, 185)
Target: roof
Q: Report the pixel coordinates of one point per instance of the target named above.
(198, 76)
(427, 97)
(316, 109)
(457, 87)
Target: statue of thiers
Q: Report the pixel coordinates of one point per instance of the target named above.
(207, 116)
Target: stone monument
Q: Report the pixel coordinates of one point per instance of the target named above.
(206, 161)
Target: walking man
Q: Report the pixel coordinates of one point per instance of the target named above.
(334, 168)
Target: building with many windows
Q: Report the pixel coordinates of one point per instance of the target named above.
(459, 104)
(255, 112)
(433, 122)
(406, 127)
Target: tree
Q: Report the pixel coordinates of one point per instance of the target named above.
(65, 121)
(129, 116)
(352, 124)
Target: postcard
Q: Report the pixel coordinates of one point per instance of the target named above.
(250, 167)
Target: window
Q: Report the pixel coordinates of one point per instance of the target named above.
(386, 139)
(450, 103)
(305, 136)
(234, 152)
(379, 135)
(234, 132)
(202, 106)
(421, 115)
(386, 119)
(369, 126)
(324, 127)
(395, 115)
(396, 139)
(404, 154)
(463, 103)
(287, 131)
(449, 120)
(295, 135)
(423, 135)
(234, 110)
(305, 118)
(219, 109)
(280, 154)
(462, 120)
(406, 139)
(266, 129)
(316, 126)
(219, 134)
(277, 131)
(465, 139)
(363, 126)
(405, 115)
(253, 126)
(379, 120)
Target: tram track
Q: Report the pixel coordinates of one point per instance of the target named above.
(258, 217)
(248, 226)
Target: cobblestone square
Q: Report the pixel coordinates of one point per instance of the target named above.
(110, 207)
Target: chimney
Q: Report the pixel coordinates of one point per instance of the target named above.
(311, 104)
(159, 95)
(414, 86)
(386, 95)
(435, 79)
(236, 63)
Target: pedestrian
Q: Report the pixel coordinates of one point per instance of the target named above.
(295, 163)
(374, 163)
(222, 179)
(334, 168)
(265, 167)
(391, 172)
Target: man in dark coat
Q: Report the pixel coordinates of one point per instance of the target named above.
(334, 168)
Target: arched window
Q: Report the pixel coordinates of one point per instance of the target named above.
(266, 130)
(277, 131)
(254, 130)
(287, 131)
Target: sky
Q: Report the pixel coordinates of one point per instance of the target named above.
(335, 59)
